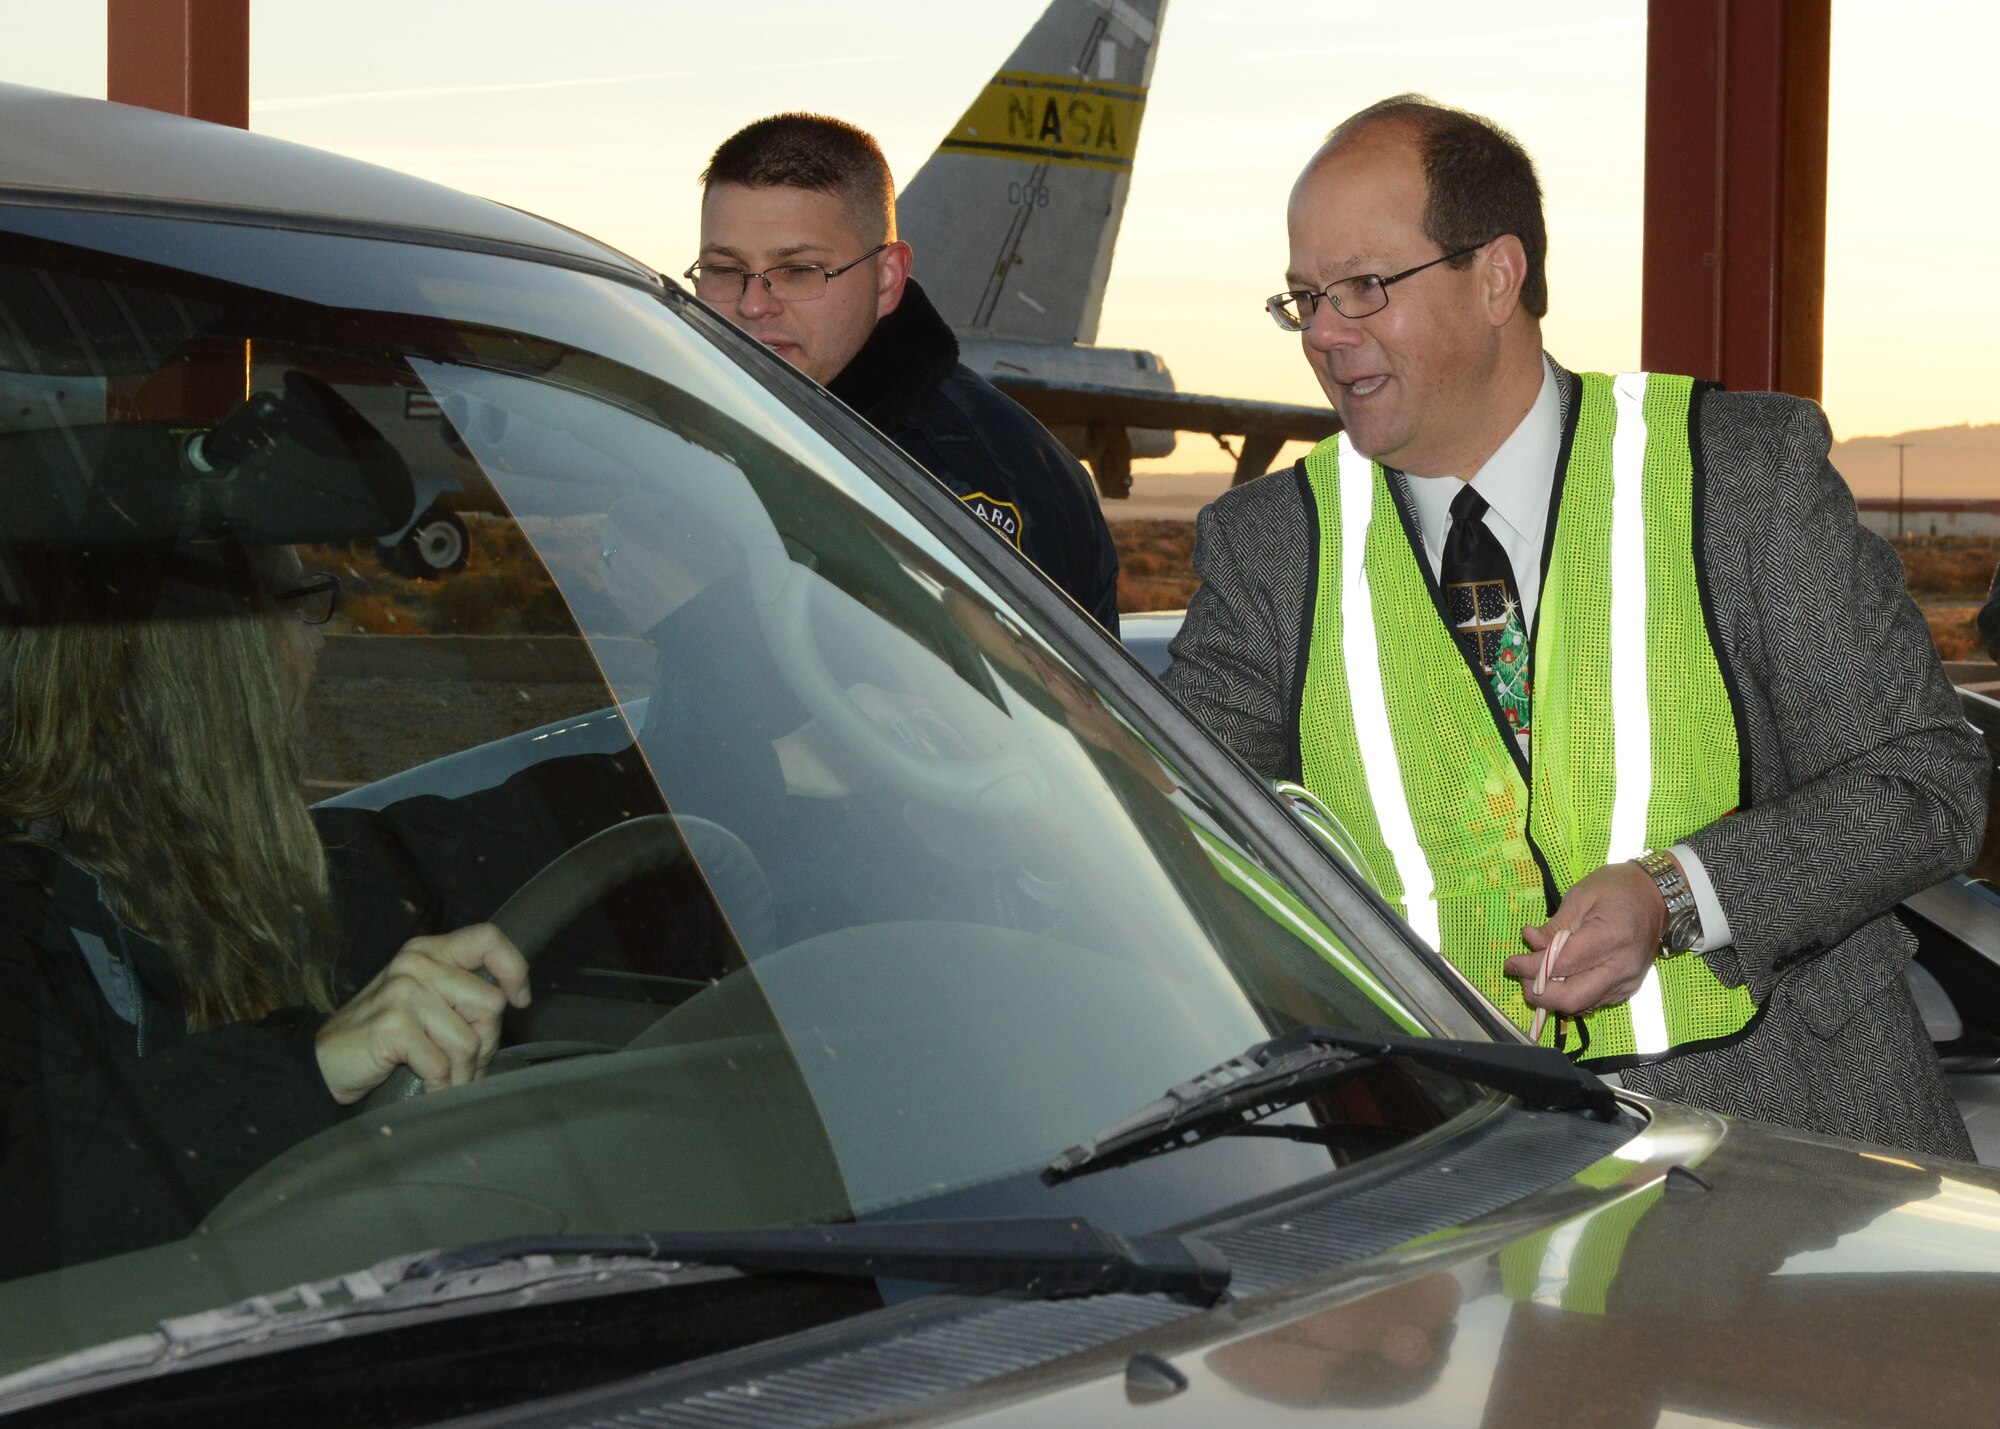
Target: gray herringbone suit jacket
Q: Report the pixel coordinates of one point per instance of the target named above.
(1865, 782)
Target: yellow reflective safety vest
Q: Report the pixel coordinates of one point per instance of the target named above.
(1633, 732)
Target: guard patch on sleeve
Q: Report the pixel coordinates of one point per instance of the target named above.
(1002, 516)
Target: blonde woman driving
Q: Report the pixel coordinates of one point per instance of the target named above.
(169, 1019)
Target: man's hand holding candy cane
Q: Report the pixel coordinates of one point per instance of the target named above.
(1610, 926)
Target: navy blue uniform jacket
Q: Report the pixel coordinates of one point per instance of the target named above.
(1003, 464)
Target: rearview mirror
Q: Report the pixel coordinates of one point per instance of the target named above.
(283, 468)
(304, 466)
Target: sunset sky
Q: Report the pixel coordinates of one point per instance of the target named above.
(598, 113)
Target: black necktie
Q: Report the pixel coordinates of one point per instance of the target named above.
(1484, 605)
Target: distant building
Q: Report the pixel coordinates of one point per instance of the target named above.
(1930, 516)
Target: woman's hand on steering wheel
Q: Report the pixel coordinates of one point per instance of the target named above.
(435, 1008)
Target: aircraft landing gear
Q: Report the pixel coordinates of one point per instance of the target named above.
(1111, 461)
(1255, 459)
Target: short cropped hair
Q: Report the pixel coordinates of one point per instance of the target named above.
(812, 151)
(1480, 183)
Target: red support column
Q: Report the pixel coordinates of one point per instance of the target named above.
(187, 57)
(1735, 255)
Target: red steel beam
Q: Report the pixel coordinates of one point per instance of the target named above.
(1735, 246)
(187, 57)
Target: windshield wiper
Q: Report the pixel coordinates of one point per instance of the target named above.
(1285, 1071)
(1049, 1257)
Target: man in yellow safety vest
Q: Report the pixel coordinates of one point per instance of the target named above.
(1573, 652)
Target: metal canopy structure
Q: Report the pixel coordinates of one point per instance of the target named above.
(1736, 126)
(187, 57)
(1735, 258)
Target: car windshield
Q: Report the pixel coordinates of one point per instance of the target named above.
(350, 584)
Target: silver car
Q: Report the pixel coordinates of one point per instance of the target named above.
(929, 1022)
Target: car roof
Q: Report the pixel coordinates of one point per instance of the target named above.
(63, 149)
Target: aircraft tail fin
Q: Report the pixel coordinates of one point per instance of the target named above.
(1013, 220)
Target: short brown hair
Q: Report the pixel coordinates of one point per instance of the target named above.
(812, 151)
(1479, 181)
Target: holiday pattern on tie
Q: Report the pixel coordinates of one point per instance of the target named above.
(1490, 624)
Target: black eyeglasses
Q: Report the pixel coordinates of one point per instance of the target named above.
(312, 600)
(1351, 297)
(788, 282)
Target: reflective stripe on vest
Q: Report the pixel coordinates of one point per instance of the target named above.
(1633, 742)
(1631, 716)
(1574, 1266)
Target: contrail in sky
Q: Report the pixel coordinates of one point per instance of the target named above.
(1446, 37)
(364, 96)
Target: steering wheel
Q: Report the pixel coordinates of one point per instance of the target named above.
(1005, 784)
(570, 883)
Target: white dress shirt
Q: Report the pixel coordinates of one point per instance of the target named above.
(1517, 483)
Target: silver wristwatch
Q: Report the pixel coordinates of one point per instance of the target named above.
(1683, 916)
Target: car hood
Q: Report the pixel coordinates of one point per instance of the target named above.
(1812, 1281)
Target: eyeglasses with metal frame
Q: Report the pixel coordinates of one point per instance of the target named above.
(1358, 297)
(787, 282)
(313, 599)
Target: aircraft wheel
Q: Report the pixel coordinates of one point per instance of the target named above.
(436, 546)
